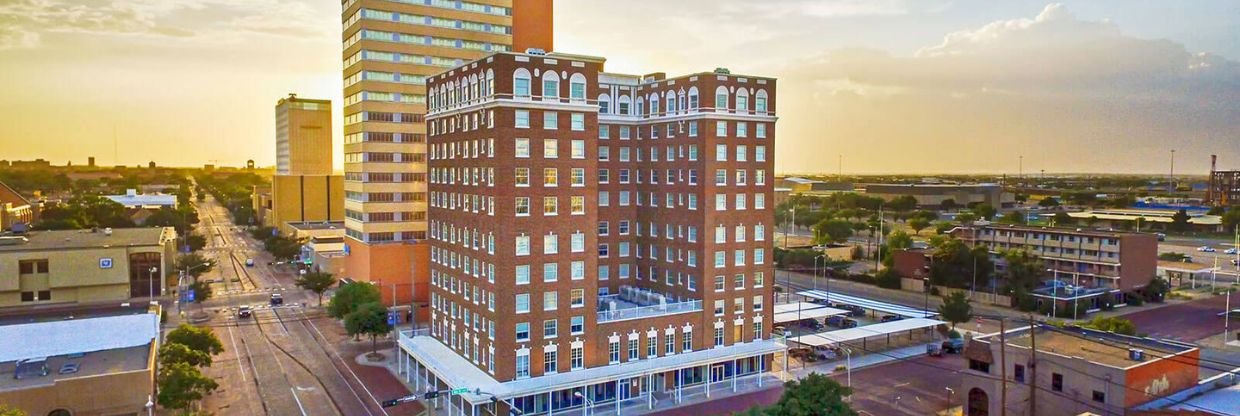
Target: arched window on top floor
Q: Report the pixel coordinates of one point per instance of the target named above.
(521, 83)
(693, 98)
(489, 88)
(670, 107)
(604, 104)
(759, 102)
(721, 98)
(550, 84)
(684, 104)
(577, 87)
(742, 100)
(624, 105)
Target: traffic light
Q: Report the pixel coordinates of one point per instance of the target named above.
(390, 403)
(430, 395)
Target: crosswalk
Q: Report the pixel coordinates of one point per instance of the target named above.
(242, 292)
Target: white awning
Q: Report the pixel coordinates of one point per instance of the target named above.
(791, 312)
(76, 336)
(861, 332)
(871, 304)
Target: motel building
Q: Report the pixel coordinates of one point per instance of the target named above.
(600, 242)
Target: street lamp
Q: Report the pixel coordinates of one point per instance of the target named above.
(824, 263)
(151, 284)
(150, 405)
(588, 403)
(181, 281)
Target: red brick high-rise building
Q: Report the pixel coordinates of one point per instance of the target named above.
(594, 235)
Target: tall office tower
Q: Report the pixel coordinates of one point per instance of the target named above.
(390, 47)
(596, 234)
(303, 136)
(303, 188)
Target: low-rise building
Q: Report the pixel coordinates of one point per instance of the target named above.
(85, 266)
(14, 209)
(1085, 266)
(1072, 371)
(88, 366)
(133, 199)
(934, 194)
(1146, 219)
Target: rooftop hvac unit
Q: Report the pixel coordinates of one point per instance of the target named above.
(1136, 354)
(535, 51)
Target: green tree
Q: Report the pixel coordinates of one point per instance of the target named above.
(317, 282)
(949, 204)
(954, 264)
(1179, 221)
(1231, 219)
(966, 218)
(197, 338)
(350, 296)
(985, 211)
(172, 352)
(956, 308)
(832, 230)
(202, 291)
(282, 248)
(918, 224)
(1062, 219)
(1049, 202)
(195, 263)
(814, 395)
(369, 319)
(899, 240)
(196, 241)
(1173, 256)
(1013, 217)
(887, 279)
(903, 203)
(181, 385)
(1156, 290)
(1024, 270)
(5, 410)
(1112, 324)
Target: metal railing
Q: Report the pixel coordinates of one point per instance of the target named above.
(607, 315)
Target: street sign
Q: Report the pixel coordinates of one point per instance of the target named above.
(392, 320)
(189, 296)
(459, 391)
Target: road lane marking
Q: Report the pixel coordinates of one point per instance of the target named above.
(299, 407)
(346, 365)
(237, 352)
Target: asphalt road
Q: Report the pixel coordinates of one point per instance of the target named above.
(278, 361)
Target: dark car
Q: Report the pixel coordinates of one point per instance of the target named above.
(836, 321)
(244, 311)
(277, 299)
(953, 345)
(891, 318)
(855, 311)
(69, 368)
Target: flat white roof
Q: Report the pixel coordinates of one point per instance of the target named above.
(457, 372)
(144, 200)
(790, 312)
(853, 334)
(867, 303)
(1225, 401)
(76, 336)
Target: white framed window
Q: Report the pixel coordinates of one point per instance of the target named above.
(578, 149)
(742, 129)
(522, 119)
(577, 121)
(523, 206)
(523, 303)
(551, 302)
(523, 245)
(577, 270)
(551, 148)
(738, 258)
(759, 201)
(551, 272)
(721, 153)
(577, 242)
(551, 244)
(523, 363)
(523, 274)
(551, 120)
(759, 130)
(523, 148)
(721, 128)
(720, 259)
(551, 206)
(759, 256)
(740, 202)
(721, 202)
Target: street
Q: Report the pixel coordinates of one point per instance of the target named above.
(284, 359)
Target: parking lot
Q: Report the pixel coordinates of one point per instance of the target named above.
(825, 332)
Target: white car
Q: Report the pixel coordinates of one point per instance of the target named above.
(1232, 250)
(1206, 249)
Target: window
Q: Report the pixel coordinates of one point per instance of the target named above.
(721, 128)
(549, 362)
(721, 177)
(718, 337)
(521, 86)
(578, 122)
(32, 267)
(523, 274)
(720, 259)
(551, 177)
(551, 120)
(551, 148)
(577, 325)
(759, 256)
(551, 244)
(578, 149)
(633, 349)
(742, 154)
(551, 272)
(759, 130)
(604, 131)
(721, 153)
(740, 201)
(979, 366)
(551, 205)
(523, 119)
(522, 176)
(1100, 397)
(721, 98)
(576, 298)
(738, 281)
(613, 352)
(577, 89)
(719, 307)
(719, 283)
(1056, 382)
(550, 85)
(523, 148)
(523, 364)
(669, 343)
(686, 342)
(738, 258)
(577, 205)
(742, 129)
(551, 328)
(651, 348)
(523, 303)
(757, 303)
(759, 279)
(523, 331)
(523, 206)
(1018, 373)
(523, 245)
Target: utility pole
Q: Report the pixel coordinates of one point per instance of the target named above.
(1003, 368)
(1033, 366)
(1171, 178)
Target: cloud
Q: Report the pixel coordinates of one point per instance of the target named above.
(1081, 93)
(24, 22)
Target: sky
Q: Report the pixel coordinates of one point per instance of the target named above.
(885, 86)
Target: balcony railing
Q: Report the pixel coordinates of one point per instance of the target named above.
(606, 314)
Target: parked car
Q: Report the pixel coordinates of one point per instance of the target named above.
(827, 353)
(277, 299)
(803, 354)
(836, 321)
(849, 323)
(1206, 249)
(953, 345)
(68, 368)
(891, 318)
(1232, 250)
(1161, 236)
(855, 311)
(1235, 313)
(244, 311)
(812, 324)
(249, 262)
